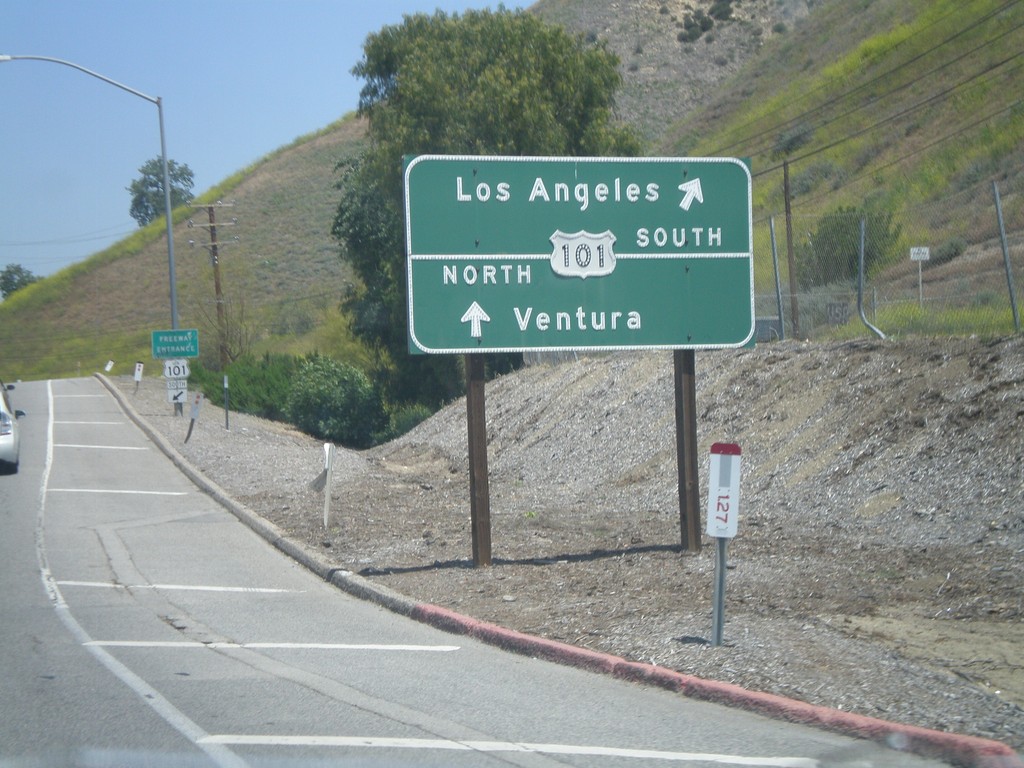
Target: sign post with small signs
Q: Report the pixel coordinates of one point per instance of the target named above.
(176, 374)
(723, 516)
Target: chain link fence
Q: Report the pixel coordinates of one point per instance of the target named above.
(953, 266)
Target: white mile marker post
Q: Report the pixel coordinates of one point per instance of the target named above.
(723, 514)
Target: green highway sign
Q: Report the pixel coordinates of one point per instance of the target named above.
(521, 253)
(178, 343)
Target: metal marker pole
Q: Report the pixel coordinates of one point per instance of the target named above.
(226, 426)
(921, 287)
(860, 286)
(778, 282)
(718, 621)
(1006, 257)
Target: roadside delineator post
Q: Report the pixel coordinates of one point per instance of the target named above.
(196, 403)
(323, 481)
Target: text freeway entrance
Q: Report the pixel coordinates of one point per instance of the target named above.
(521, 253)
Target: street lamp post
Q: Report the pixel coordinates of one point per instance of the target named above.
(163, 157)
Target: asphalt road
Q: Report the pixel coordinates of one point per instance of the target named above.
(142, 624)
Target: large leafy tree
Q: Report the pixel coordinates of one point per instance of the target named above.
(487, 82)
(148, 190)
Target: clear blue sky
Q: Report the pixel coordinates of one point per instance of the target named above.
(238, 79)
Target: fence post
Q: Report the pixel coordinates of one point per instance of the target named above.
(778, 281)
(1006, 257)
(860, 284)
(794, 301)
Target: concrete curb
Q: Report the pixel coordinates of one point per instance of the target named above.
(970, 751)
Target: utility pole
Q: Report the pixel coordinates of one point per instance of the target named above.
(213, 248)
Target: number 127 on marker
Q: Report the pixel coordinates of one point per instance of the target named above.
(723, 490)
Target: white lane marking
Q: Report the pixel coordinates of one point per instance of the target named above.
(220, 754)
(110, 490)
(102, 447)
(189, 644)
(183, 587)
(93, 423)
(373, 742)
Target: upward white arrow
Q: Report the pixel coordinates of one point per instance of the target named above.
(691, 191)
(474, 315)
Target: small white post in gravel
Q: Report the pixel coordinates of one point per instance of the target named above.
(324, 480)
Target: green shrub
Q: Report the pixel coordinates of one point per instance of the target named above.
(335, 401)
(807, 181)
(403, 420)
(721, 10)
(792, 139)
(948, 251)
(256, 386)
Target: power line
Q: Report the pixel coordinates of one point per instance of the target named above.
(775, 128)
(924, 148)
(895, 116)
(853, 110)
(85, 237)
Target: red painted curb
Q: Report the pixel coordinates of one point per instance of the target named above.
(969, 751)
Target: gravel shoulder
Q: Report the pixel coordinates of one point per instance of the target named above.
(877, 568)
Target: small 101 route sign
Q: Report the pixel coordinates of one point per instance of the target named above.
(511, 254)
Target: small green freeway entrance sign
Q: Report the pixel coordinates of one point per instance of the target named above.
(175, 343)
(522, 253)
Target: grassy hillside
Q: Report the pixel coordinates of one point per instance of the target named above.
(910, 102)
(282, 279)
(894, 105)
(908, 110)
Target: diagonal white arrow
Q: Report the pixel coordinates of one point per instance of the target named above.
(691, 191)
(474, 315)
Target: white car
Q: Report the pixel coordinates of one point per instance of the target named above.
(9, 442)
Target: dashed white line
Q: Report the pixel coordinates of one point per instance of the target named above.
(111, 490)
(183, 587)
(174, 717)
(190, 644)
(93, 423)
(102, 447)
